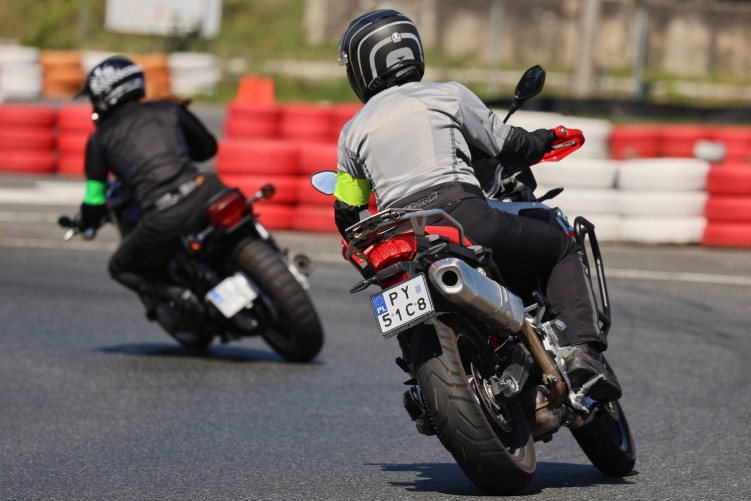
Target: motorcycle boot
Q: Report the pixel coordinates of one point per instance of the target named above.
(588, 373)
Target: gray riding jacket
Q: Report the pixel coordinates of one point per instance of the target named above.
(410, 138)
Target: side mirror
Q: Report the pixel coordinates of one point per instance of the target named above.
(530, 84)
(324, 181)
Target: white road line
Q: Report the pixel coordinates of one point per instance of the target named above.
(28, 217)
(39, 243)
(704, 278)
(335, 258)
(45, 193)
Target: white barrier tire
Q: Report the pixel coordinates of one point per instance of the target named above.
(664, 174)
(607, 226)
(662, 230)
(663, 203)
(577, 173)
(583, 201)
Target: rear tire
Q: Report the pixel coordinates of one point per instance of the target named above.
(607, 441)
(497, 455)
(296, 332)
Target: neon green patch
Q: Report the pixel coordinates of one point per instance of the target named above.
(95, 193)
(351, 190)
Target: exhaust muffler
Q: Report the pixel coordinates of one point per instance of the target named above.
(499, 308)
(483, 298)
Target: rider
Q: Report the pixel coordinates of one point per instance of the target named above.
(412, 146)
(151, 148)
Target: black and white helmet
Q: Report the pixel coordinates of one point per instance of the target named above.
(381, 49)
(112, 83)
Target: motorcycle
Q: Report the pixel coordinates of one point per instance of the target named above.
(486, 372)
(246, 285)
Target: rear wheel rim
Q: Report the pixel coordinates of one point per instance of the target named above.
(498, 413)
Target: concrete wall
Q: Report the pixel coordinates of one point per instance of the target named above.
(685, 38)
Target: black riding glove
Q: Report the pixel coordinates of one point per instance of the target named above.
(523, 148)
(546, 137)
(91, 216)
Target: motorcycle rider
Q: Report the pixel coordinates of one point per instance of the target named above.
(151, 147)
(412, 145)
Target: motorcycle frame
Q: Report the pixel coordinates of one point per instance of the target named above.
(386, 224)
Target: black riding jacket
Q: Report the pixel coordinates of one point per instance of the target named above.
(150, 147)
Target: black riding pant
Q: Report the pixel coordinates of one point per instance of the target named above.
(156, 238)
(524, 247)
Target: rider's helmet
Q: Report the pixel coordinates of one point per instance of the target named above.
(381, 49)
(112, 83)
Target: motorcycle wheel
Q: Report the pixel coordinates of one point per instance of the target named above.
(607, 441)
(295, 331)
(489, 439)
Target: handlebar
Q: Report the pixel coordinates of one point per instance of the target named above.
(74, 229)
(505, 181)
(567, 141)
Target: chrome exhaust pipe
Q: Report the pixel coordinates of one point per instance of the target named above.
(483, 298)
(490, 302)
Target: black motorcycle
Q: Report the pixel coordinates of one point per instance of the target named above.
(246, 285)
(486, 371)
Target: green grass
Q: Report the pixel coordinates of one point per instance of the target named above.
(254, 29)
(251, 31)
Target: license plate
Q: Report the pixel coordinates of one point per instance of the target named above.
(402, 306)
(232, 295)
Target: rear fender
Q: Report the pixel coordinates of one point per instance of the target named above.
(419, 345)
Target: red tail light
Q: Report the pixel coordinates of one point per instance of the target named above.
(399, 248)
(228, 210)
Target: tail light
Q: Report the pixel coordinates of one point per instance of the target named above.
(228, 210)
(399, 248)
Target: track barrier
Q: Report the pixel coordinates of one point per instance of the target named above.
(636, 183)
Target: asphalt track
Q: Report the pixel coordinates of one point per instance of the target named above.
(97, 403)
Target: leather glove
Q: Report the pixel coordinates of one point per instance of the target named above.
(546, 136)
(89, 219)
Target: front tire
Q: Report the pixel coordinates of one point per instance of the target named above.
(607, 441)
(489, 439)
(295, 331)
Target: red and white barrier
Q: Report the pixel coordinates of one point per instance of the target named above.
(728, 208)
(649, 189)
(724, 186)
(27, 139)
(74, 126)
(283, 145)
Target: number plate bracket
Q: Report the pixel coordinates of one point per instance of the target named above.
(402, 306)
